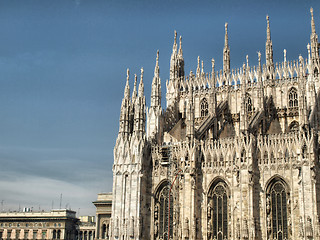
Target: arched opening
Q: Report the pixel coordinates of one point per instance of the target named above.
(304, 151)
(162, 212)
(107, 233)
(104, 231)
(209, 163)
(217, 212)
(54, 234)
(204, 107)
(265, 157)
(221, 162)
(286, 155)
(249, 104)
(58, 234)
(272, 159)
(44, 234)
(293, 98)
(26, 233)
(277, 209)
(316, 72)
(258, 156)
(243, 156)
(294, 126)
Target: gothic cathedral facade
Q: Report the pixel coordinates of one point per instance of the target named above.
(234, 155)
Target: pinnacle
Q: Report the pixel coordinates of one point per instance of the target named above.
(226, 44)
(156, 68)
(313, 27)
(127, 87)
(180, 47)
(141, 85)
(134, 94)
(268, 29)
(174, 48)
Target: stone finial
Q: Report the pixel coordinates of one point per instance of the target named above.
(142, 71)
(134, 93)
(175, 36)
(156, 68)
(127, 87)
(259, 58)
(212, 63)
(202, 66)
(309, 53)
(247, 59)
(180, 47)
(174, 48)
(198, 67)
(141, 85)
(128, 74)
(300, 59)
(313, 27)
(268, 29)
(226, 44)
(191, 74)
(284, 55)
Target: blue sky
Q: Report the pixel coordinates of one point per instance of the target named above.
(63, 70)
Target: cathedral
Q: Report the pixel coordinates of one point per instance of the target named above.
(233, 155)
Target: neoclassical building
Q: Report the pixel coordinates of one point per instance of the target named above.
(234, 155)
(56, 224)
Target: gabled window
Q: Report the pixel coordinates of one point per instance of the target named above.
(249, 104)
(204, 107)
(293, 98)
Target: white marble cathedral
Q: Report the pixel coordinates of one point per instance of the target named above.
(235, 154)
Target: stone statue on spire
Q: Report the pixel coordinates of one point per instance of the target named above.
(226, 54)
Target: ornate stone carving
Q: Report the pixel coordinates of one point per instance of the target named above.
(131, 233)
(186, 228)
(253, 229)
(245, 230)
(156, 228)
(116, 228)
(268, 205)
(238, 229)
(301, 230)
(309, 230)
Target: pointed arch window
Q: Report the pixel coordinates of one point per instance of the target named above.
(316, 72)
(209, 163)
(265, 157)
(243, 156)
(161, 214)
(293, 98)
(204, 107)
(277, 210)
(304, 151)
(218, 211)
(259, 156)
(249, 104)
